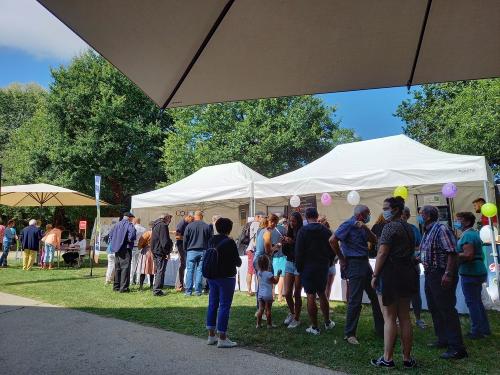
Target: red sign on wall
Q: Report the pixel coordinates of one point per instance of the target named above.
(82, 225)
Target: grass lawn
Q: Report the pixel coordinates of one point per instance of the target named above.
(175, 312)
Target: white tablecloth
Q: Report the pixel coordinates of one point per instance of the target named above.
(338, 288)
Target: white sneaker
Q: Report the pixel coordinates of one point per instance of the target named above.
(313, 331)
(226, 343)
(288, 319)
(212, 340)
(294, 324)
(330, 325)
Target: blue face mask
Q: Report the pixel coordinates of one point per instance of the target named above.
(367, 220)
(420, 220)
(457, 224)
(387, 214)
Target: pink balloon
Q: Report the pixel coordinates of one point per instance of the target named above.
(449, 190)
(326, 199)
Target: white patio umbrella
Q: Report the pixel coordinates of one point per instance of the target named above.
(43, 195)
(203, 51)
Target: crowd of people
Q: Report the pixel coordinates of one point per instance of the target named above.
(311, 250)
(39, 246)
(288, 255)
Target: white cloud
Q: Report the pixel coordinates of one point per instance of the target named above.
(28, 26)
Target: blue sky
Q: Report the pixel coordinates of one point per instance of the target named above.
(32, 41)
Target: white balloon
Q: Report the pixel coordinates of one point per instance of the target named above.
(295, 201)
(353, 198)
(485, 233)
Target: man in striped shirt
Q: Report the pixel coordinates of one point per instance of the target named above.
(439, 257)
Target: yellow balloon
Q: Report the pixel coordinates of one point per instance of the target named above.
(401, 191)
(489, 209)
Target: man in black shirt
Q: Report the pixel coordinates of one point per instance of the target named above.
(179, 236)
(313, 256)
(161, 246)
(196, 238)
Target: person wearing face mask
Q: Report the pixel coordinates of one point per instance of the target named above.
(439, 257)
(472, 273)
(350, 243)
(396, 281)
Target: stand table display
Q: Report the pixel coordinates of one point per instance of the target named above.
(338, 288)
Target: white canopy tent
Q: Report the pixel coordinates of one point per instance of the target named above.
(375, 168)
(222, 187)
(378, 163)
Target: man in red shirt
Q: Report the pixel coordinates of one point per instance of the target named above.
(478, 203)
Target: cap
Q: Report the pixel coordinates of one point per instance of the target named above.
(260, 213)
(128, 214)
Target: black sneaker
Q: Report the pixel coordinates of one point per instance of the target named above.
(381, 362)
(454, 354)
(410, 364)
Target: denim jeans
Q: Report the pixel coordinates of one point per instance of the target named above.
(48, 256)
(5, 253)
(441, 302)
(219, 302)
(359, 272)
(472, 287)
(194, 262)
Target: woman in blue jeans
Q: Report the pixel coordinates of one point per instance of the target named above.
(222, 287)
(472, 273)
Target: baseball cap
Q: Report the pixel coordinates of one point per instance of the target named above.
(128, 214)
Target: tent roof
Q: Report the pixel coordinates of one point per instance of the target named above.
(379, 163)
(35, 195)
(214, 183)
(191, 52)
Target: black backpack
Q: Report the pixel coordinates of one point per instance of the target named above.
(210, 266)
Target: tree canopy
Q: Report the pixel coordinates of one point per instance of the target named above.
(458, 117)
(272, 136)
(95, 121)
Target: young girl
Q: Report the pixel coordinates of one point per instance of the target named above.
(265, 290)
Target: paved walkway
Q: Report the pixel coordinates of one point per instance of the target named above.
(38, 338)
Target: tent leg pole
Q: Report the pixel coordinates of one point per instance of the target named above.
(493, 240)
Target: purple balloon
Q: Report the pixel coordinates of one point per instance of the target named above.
(449, 190)
(326, 199)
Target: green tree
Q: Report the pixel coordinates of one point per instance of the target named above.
(458, 117)
(272, 136)
(109, 127)
(18, 103)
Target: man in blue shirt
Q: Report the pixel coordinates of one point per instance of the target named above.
(8, 238)
(354, 235)
(121, 238)
(30, 241)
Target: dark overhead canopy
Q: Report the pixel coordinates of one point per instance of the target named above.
(203, 51)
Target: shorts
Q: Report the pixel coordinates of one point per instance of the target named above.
(251, 269)
(291, 268)
(332, 270)
(279, 263)
(314, 279)
(266, 299)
